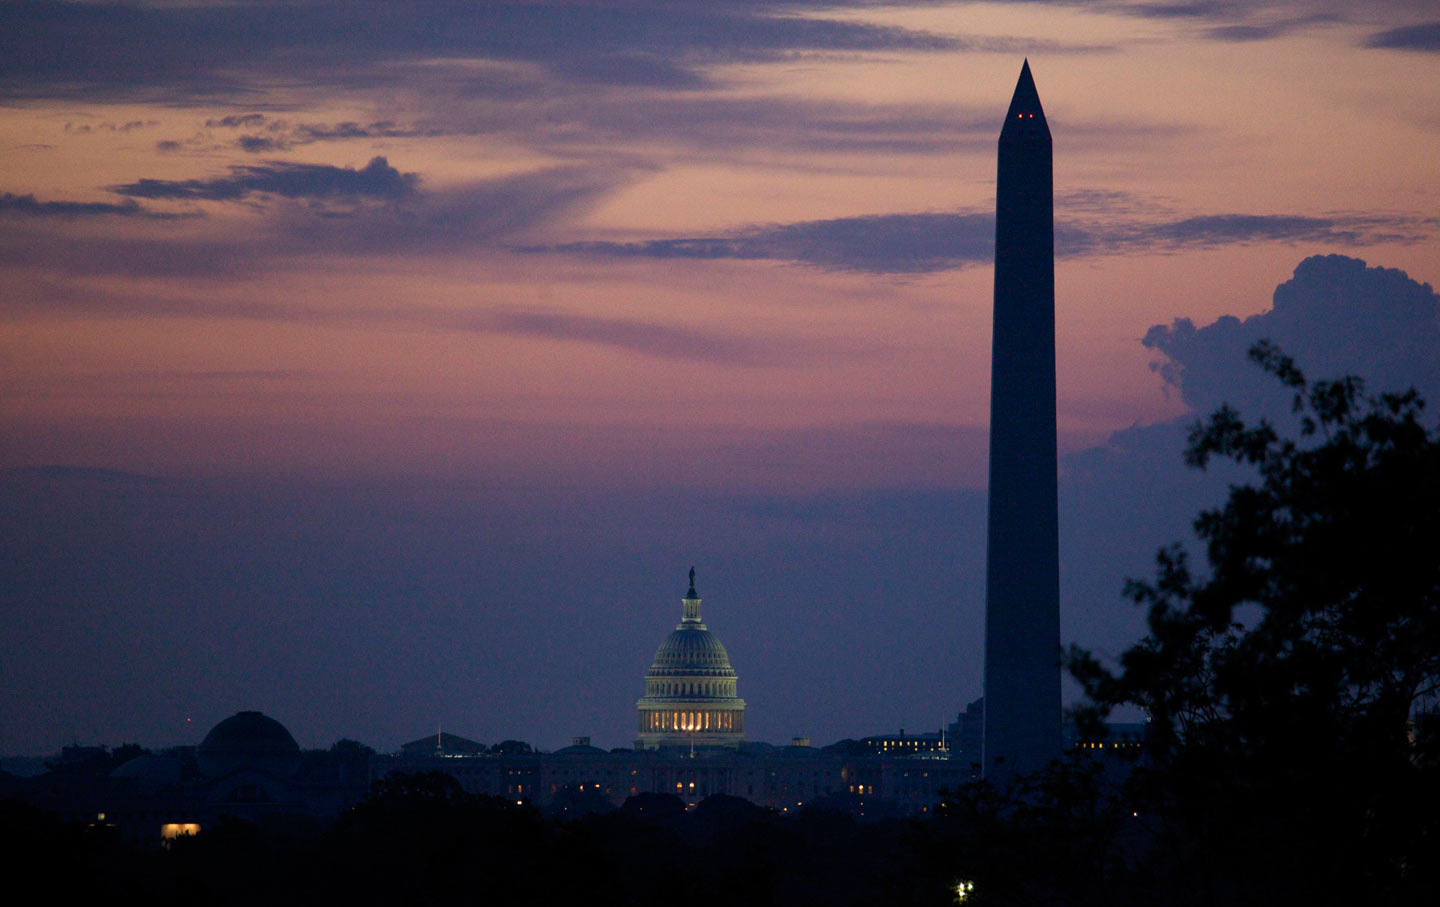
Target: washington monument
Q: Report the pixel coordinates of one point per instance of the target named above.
(1022, 569)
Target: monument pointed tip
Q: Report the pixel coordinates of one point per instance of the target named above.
(1025, 103)
(1025, 85)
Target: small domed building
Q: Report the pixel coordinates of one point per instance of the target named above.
(248, 763)
(248, 741)
(690, 691)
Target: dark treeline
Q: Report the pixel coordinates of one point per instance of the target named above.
(420, 839)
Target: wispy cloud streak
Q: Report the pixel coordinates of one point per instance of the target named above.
(1412, 37)
(653, 338)
(376, 179)
(29, 206)
(302, 218)
(918, 243)
(215, 49)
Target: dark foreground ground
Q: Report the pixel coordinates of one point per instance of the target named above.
(408, 847)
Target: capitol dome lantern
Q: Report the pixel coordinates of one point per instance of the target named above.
(690, 690)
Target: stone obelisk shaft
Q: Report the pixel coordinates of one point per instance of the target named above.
(1022, 596)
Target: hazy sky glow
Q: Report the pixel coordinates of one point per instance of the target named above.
(428, 344)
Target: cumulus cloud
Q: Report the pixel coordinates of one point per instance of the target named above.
(376, 179)
(1124, 499)
(1335, 316)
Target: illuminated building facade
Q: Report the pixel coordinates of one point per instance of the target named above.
(690, 690)
(783, 778)
(933, 744)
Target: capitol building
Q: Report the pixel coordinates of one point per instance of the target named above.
(690, 743)
(690, 690)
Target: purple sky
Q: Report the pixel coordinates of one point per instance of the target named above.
(381, 366)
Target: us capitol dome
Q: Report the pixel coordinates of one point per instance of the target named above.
(690, 696)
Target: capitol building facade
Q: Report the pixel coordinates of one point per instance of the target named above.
(690, 690)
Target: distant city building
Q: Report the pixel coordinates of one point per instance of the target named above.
(967, 732)
(934, 743)
(247, 767)
(783, 778)
(1119, 738)
(248, 764)
(443, 744)
(690, 690)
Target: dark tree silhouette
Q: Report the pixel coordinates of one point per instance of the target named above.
(421, 790)
(657, 807)
(576, 801)
(1283, 687)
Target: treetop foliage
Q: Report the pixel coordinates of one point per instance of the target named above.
(1287, 687)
